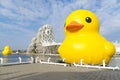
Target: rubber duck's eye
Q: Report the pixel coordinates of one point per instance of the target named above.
(88, 19)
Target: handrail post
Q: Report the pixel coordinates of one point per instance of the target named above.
(36, 59)
(31, 59)
(104, 63)
(81, 62)
(63, 60)
(49, 59)
(1, 60)
(20, 59)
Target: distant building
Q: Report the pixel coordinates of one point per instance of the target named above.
(117, 45)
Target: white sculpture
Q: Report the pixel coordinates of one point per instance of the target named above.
(45, 36)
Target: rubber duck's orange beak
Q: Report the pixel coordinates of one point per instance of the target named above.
(74, 26)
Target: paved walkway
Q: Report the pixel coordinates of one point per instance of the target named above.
(52, 72)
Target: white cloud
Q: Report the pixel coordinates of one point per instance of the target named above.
(16, 28)
(24, 11)
(7, 13)
(7, 4)
(109, 17)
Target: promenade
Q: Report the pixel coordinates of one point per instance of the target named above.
(52, 72)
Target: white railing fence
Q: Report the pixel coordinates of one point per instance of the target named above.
(12, 61)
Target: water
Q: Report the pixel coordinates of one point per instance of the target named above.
(115, 61)
(14, 58)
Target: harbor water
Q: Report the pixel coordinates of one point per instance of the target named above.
(14, 58)
(115, 61)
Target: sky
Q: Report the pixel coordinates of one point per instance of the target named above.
(21, 19)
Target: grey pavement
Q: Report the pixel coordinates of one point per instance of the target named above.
(52, 72)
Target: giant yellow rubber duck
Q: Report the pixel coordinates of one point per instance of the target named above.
(83, 40)
(7, 50)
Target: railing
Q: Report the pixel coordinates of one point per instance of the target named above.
(13, 61)
(94, 66)
(38, 60)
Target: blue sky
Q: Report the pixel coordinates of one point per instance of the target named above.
(21, 19)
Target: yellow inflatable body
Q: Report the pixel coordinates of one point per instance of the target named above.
(83, 40)
(7, 51)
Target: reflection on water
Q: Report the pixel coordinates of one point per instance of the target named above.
(5, 59)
